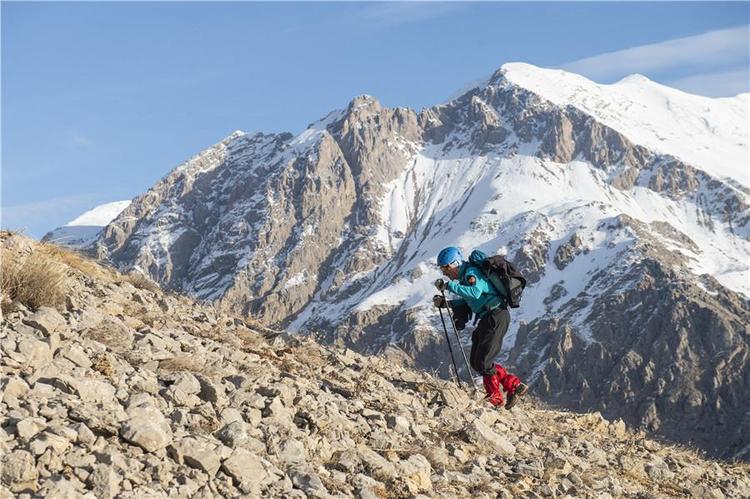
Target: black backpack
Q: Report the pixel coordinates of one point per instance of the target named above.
(504, 276)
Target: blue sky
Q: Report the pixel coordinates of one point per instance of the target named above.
(100, 100)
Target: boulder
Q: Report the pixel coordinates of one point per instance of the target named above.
(46, 319)
(197, 453)
(37, 353)
(480, 434)
(147, 427)
(76, 355)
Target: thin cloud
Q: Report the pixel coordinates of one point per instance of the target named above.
(79, 141)
(31, 215)
(721, 84)
(75, 141)
(389, 14)
(715, 48)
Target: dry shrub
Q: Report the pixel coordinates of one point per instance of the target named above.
(74, 260)
(35, 280)
(186, 363)
(110, 333)
(141, 281)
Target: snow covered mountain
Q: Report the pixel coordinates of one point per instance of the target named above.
(83, 230)
(627, 205)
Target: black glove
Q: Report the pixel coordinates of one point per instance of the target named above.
(439, 301)
(461, 315)
(441, 285)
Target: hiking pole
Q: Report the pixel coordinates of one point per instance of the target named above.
(450, 348)
(458, 338)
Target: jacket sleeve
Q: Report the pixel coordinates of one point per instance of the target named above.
(480, 287)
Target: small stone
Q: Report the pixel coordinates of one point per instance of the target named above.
(650, 445)
(368, 488)
(658, 470)
(76, 355)
(546, 490)
(181, 398)
(575, 479)
(617, 428)
(416, 472)
(533, 468)
(399, 424)
(377, 466)
(234, 434)
(61, 487)
(480, 434)
(211, 392)
(307, 481)
(247, 470)
(700, 491)
(347, 460)
(18, 471)
(453, 397)
(104, 482)
(85, 435)
(15, 387)
(197, 453)
(230, 415)
(291, 451)
(48, 440)
(27, 428)
(186, 382)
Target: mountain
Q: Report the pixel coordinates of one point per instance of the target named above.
(130, 392)
(84, 230)
(626, 205)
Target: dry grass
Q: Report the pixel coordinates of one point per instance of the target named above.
(187, 363)
(35, 280)
(75, 260)
(140, 281)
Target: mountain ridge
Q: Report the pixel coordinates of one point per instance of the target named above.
(333, 231)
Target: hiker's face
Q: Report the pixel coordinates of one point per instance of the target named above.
(450, 271)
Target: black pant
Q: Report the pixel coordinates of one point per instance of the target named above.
(487, 340)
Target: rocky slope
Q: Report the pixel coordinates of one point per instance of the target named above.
(596, 191)
(127, 391)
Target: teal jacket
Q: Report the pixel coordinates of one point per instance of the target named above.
(480, 296)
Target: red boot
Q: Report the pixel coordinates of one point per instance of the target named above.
(492, 387)
(508, 381)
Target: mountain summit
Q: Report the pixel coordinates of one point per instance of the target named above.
(626, 205)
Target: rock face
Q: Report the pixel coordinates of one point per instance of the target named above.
(335, 231)
(206, 405)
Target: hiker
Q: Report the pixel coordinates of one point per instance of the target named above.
(490, 308)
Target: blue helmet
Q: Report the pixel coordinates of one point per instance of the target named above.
(449, 255)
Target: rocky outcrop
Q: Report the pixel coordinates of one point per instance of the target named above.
(651, 345)
(205, 404)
